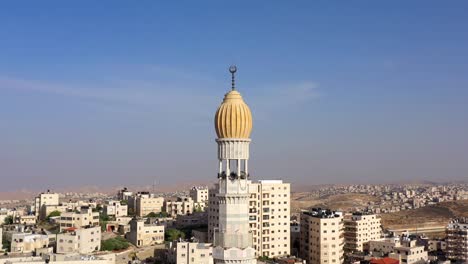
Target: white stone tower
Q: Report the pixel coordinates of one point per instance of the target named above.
(232, 240)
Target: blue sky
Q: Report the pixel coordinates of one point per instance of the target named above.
(118, 92)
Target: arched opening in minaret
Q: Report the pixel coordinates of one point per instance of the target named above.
(233, 169)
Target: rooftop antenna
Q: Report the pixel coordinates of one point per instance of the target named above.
(233, 70)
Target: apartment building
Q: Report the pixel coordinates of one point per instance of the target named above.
(404, 249)
(457, 240)
(78, 219)
(179, 206)
(144, 203)
(44, 199)
(115, 208)
(322, 237)
(269, 216)
(188, 252)
(359, 229)
(82, 240)
(199, 194)
(27, 242)
(124, 194)
(144, 234)
(47, 209)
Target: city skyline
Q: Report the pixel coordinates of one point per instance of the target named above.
(366, 97)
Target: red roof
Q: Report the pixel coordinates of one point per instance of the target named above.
(385, 261)
(71, 229)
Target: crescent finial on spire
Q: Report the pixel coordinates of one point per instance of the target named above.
(233, 70)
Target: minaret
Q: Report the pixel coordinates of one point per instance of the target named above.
(233, 122)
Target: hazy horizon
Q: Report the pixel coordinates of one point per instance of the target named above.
(113, 93)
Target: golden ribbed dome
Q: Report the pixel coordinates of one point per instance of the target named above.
(233, 118)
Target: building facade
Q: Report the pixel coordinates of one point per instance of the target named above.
(322, 239)
(179, 206)
(42, 200)
(185, 252)
(457, 239)
(359, 229)
(199, 194)
(269, 217)
(85, 217)
(115, 208)
(27, 242)
(144, 234)
(146, 204)
(82, 241)
(402, 248)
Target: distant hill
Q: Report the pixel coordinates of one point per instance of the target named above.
(439, 214)
(338, 202)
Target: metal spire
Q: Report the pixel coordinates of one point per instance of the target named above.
(233, 70)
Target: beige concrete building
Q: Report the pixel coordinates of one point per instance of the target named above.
(179, 206)
(62, 259)
(84, 218)
(115, 208)
(83, 240)
(269, 217)
(457, 240)
(199, 194)
(182, 252)
(47, 209)
(401, 248)
(27, 242)
(42, 200)
(359, 229)
(144, 203)
(322, 237)
(144, 234)
(26, 219)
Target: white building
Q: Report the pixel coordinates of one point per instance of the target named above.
(402, 248)
(359, 229)
(269, 217)
(115, 208)
(85, 217)
(322, 238)
(83, 240)
(27, 242)
(26, 219)
(145, 203)
(199, 194)
(45, 199)
(457, 239)
(143, 234)
(179, 206)
(124, 194)
(232, 237)
(183, 252)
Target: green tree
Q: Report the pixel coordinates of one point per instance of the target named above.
(198, 209)
(173, 234)
(8, 220)
(117, 243)
(53, 214)
(157, 215)
(6, 245)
